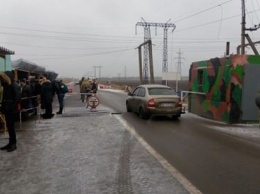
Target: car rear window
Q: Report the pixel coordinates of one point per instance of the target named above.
(161, 91)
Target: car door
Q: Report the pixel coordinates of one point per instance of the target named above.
(140, 98)
(133, 100)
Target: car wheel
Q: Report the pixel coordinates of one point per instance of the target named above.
(142, 114)
(128, 109)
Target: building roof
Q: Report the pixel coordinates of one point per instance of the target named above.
(26, 65)
(5, 51)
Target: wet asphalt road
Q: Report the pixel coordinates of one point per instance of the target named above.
(81, 152)
(215, 161)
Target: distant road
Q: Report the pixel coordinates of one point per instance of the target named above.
(181, 85)
(214, 161)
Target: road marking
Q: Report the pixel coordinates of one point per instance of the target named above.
(175, 173)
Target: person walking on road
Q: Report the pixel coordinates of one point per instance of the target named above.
(11, 99)
(94, 86)
(85, 89)
(80, 89)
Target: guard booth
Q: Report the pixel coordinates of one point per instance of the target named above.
(224, 89)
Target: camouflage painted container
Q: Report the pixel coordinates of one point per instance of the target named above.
(217, 88)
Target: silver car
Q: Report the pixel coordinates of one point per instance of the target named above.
(154, 100)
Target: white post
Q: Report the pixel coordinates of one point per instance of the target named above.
(176, 85)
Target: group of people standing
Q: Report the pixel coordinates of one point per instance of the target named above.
(41, 91)
(26, 94)
(87, 87)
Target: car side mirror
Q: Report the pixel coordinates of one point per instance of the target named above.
(130, 94)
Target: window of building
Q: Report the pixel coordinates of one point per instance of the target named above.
(200, 76)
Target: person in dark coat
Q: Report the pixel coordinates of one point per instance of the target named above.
(26, 102)
(35, 92)
(9, 107)
(94, 86)
(47, 93)
(58, 84)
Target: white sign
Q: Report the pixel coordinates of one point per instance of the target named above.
(171, 76)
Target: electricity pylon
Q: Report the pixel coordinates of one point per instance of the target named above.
(179, 64)
(99, 70)
(147, 36)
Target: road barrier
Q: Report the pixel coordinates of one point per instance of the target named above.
(92, 101)
(184, 94)
(24, 110)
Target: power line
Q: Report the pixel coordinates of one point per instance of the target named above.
(83, 55)
(63, 48)
(215, 21)
(59, 32)
(220, 21)
(112, 40)
(257, 4)
(253, 5)
(66, 38)
(200, 12)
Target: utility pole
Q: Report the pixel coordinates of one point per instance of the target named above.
(243, 28)
(125, 72)
(99, 72)
(245, 36)
(149, 43)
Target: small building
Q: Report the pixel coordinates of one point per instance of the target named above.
(5, 59)
(23, 68)
(224, 89)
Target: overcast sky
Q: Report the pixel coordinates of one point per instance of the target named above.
(70, 37)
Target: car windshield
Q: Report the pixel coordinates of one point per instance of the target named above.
(161, 91)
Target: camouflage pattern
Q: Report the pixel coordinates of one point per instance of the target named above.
(216, 87)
